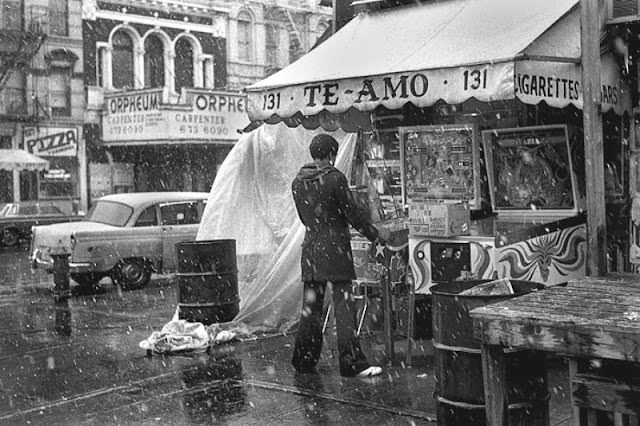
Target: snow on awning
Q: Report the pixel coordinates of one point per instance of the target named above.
(450, 50)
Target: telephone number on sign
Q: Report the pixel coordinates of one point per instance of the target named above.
(204, 130)
(127, 130)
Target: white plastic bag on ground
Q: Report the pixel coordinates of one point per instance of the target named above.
(229, 331)
(177, 336)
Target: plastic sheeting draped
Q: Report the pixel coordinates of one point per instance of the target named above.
(251, 202)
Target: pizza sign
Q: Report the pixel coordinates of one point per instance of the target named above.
(51, 141)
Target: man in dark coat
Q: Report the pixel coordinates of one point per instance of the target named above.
(326, 207)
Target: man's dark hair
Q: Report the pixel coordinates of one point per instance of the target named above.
(322, 145)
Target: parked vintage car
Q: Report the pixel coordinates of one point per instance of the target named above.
(17, 219)
(123, 236)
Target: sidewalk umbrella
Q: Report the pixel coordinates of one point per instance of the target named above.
(18, 159)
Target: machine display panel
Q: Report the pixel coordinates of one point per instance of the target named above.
(530, 168)
(440, 162)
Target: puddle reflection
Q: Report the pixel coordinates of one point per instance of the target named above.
(315, 408)
(214, 389)
(15, 269)
(62, 318)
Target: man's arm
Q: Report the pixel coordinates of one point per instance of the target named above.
(347, 205)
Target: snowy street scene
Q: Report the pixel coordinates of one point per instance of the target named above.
(335, 212)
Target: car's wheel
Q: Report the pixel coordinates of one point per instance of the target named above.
(131, 274)
(9, 237)
(90, 279)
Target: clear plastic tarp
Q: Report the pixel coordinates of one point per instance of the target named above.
(251, 202)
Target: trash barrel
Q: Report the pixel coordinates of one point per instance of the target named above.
(207, 281)
(458, 365)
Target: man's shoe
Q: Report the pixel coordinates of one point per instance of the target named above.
(374, 370)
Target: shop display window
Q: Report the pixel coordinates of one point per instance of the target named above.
(382, 154)
(530, 168)
(28, 185)
(61, 180)
(440, 162)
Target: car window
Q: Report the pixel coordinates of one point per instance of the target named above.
(110, 213)
(180, 213)
(50, 210)
(147, 217)
(26, 211)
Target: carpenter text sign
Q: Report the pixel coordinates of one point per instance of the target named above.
(206, 116)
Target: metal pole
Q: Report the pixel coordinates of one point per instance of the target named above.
(593, 138)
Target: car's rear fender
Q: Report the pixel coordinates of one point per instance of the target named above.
(101, 251)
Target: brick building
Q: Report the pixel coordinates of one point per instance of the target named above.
(42, 99)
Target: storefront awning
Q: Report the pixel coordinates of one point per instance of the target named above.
(18, 159)
(450, 50)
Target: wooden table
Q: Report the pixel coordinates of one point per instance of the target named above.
(588, 318)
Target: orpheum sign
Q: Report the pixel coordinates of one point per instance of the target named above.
(133, 116)
(211, 115)
(142, 117)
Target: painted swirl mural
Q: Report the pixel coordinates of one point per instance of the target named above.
(420, 264)
(481, 260)
(552, 259)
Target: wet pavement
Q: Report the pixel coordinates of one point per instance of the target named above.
(78, 362)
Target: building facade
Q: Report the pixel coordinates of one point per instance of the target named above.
(42, 100)
(164, 84)
(265, 36)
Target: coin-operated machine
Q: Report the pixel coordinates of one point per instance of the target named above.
(533, 232)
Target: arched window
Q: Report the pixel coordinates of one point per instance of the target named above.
(272, 37)
(122, 62)
(153, 62)
(244, 37)
(60, 63)
(183, 64)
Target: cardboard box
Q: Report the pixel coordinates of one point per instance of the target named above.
(441, 219)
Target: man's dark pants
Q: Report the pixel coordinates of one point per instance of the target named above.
(309, 337)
